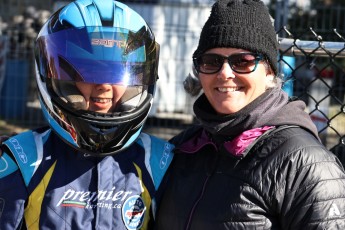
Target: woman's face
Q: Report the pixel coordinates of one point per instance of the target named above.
(228, 91)
(101, 98)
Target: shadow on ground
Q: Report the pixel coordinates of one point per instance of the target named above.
(161, 127)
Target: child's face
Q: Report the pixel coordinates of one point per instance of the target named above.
(101, 98)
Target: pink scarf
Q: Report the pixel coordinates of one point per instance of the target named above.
(235, 147)
(241, 142)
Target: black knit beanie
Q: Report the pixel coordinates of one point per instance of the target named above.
(244, 24)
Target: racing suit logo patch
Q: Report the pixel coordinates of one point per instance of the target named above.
(19, 150)
(133, 212)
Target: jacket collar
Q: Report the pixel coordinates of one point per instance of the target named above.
(236, 147)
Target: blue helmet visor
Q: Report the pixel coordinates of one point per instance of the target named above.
(100, 55)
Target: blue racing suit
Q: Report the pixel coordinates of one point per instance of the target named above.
(46, 184)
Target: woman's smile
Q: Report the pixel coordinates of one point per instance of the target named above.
(228, 89)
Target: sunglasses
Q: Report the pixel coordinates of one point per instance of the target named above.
(210, 63)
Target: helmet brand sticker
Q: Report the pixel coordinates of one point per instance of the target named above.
(133, 211)
(108, 42)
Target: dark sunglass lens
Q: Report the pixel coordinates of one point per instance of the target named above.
(243, 63)
(210, 63)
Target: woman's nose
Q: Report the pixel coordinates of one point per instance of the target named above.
(225, 72)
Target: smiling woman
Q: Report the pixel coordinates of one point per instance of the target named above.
(255, 160)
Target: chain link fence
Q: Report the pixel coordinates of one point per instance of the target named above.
(314, 71)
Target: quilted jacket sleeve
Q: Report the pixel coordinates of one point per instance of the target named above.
(311, 189)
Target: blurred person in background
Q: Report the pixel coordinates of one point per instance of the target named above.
(255, 161)
(92, 168)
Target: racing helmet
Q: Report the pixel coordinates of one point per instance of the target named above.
(96, 42)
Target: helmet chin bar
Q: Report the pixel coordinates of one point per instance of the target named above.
(124, 134)
(108, 149)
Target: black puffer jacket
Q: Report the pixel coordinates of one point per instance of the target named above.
(285, 180)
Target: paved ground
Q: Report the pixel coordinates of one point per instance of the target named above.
(167, 125)
(163, 128)
(7, 129)
(163, 125)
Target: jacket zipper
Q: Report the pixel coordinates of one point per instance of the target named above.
(196, 203)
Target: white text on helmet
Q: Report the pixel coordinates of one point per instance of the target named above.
(107, 42)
